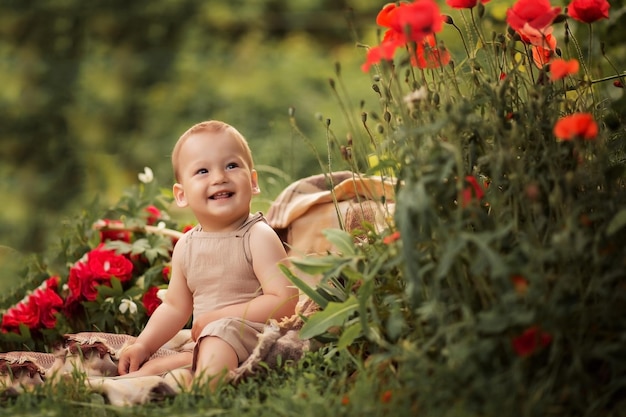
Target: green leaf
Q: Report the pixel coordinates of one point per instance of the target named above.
(335, 314)
(349, 335)
(342, 240)
(304, 287)
(617, 223)
(315, 265)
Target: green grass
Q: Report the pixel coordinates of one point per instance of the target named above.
(323, 383)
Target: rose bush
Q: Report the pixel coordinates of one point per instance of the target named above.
(113, 269)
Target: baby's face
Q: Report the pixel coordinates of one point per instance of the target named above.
(216, 181)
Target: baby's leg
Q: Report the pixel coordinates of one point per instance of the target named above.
(163, 364)
(214, 359)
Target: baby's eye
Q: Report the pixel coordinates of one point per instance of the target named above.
(232, 165)
(202, 171)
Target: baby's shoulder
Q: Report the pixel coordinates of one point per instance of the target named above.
(261, 232)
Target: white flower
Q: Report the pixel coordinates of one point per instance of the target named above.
(161, 294)
(146, 176)
(128, 305)
(412, 98)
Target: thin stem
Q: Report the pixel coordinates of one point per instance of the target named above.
(462, 39)
(590, 45)
(469, 33)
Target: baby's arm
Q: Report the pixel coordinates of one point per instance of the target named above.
(164, 323)
(279, 297)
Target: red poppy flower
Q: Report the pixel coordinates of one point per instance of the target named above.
(150, 300)
(429, 56)
(385, 397)
(560, 68)
(530, 341)
(588, 11)
(414, 21)
(577, 125)
(391, 238)
(464, 4)
(520, 284)
(406, 22)
(529, 15)
(543, 51)
(473, 192)
(385, 51)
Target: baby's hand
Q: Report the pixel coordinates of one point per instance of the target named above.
(131, 358)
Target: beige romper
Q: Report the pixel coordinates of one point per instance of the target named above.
(218, 267)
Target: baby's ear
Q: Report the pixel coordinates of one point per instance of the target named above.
(255, 182)
(179, 195)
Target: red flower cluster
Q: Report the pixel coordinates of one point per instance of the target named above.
(532, 20)
(36, 311)
(405, 23)
(530, 341)
(96, 268)
(588, 11)
(577, 125)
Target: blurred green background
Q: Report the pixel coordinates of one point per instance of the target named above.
(93, 91)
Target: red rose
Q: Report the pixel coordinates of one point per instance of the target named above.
(531, 15)
(530, 341)
(588, 11)
(154, 214)
(167, 270)
(47, 303)
(105, 263)
(53, 282)
(21, 313)
(464, 4)
(150, 300)
(81, 283)
(113, 230)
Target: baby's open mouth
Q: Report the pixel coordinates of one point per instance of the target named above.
(218, 196)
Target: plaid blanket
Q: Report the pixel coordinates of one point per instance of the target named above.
(341, 199)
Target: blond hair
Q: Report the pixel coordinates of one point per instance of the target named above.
(215, 127)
